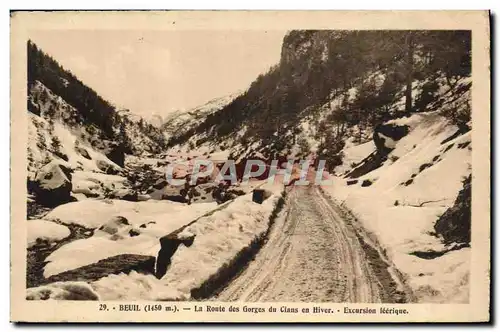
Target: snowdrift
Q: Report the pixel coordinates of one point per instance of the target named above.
(43, 230)
(401, 200)
(145, 223)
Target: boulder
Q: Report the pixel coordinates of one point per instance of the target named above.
(169, 245)
(366, 183)
(124, 194)
(83, 152)
(52, 185)
(114, 225)
(174, 193)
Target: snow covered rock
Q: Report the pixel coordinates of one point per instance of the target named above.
(169, 245)
(260, 195)
(122, 263)
(52, 184)
(106, 167)
(124, 194)
(171, 193)
(86, 187)
(43, 230)
(73, 290)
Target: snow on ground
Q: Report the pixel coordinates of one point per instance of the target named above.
(40, 138)
(147, 221)
(220, 236)
(45, 230)
(135, 286)
(419, 171)
(70, 290)
(353, 154)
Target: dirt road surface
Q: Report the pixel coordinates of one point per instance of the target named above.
(313, 255)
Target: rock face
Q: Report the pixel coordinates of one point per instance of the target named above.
(83, 152)
(171, 193)
(454, 224)
(169, 245)
(383, 132)
(52, 185)
(116, 153)
(384, 137)
(114, 225)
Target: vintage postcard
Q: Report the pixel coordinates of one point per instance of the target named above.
(250, 166)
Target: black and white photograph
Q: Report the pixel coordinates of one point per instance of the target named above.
(251, 167)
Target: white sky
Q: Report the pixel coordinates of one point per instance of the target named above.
(157, 72)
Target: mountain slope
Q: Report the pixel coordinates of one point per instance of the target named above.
(177, 123)
(332, 84)
(389, 112)
(55, 93)
(77, 141)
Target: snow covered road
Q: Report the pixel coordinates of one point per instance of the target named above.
(312, 255)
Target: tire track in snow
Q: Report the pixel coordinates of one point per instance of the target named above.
(312, 255)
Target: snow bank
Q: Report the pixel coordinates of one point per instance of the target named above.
(353, 154)
(71, 290)
(219, 237)
(45, 230)
(418, 182)
(135, 286)
(40, 136)
(146, 223)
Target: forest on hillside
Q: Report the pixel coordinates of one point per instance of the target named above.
(92, 108)
(363, 77)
